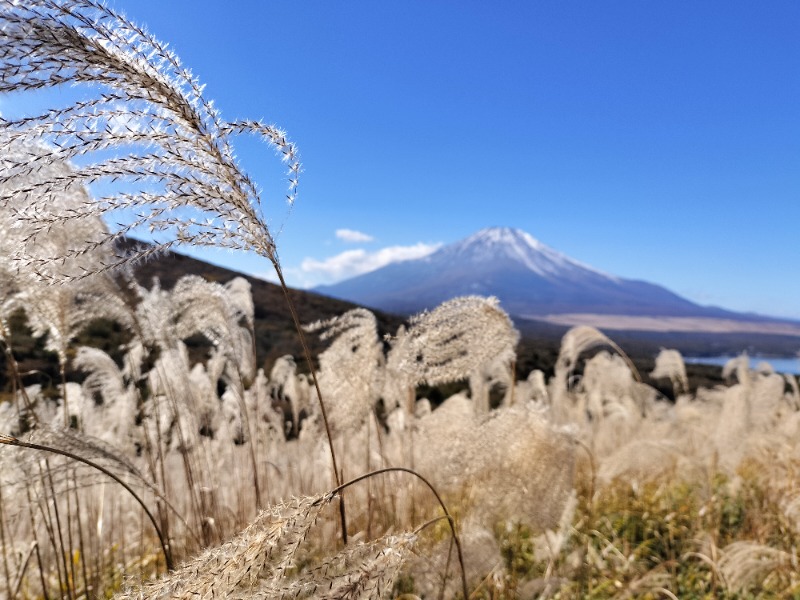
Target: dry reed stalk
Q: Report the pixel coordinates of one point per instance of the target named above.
(17, 586)
(34, 529)
(5, 542)
(251, 435)
(70, 515)
(61, 550)
(173, 392)
(81, 546)
(4, 439)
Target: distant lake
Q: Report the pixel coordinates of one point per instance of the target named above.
(781, 365)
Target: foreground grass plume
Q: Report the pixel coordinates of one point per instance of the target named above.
(145, 123)
(263, 551)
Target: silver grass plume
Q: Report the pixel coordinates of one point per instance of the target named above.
(574, 343)
(269, 421)
(181, 179)
(193, 306)
(58, 312)
(8, 301)
(350, 366)
(746, 565)
(452, 342)
(514, 463)
(764, 368)
(609, 389)
(182, 401)
(225, 318)
(361, 570)
(375, 574)
(556, 539)
(9, 287)
(731, 431)
(286, 386)
(264, 550)
(670, 365)
(739, 366)
(534, 389)
(644, 458)
(577, 341)
(105, 378)
(26, 257)
(766, 399)
(205, 307)
(112, 399)
(153, 319)
(94, 449)
(520, 467)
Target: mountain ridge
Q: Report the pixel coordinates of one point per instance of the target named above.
(531, 280)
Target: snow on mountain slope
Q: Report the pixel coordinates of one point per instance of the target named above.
(530, 279)
(491, 244)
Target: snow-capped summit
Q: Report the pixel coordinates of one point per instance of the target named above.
(530, 279)
(514, 245)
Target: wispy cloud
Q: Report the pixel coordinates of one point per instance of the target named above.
(351, 235)
(356, 262)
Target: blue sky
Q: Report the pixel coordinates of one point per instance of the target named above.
(656, 141)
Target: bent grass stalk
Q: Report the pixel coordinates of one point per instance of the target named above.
(307, 353)
(447, 515)
(12, 441)
(22, 568)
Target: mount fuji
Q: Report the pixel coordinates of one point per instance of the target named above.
(532, 281)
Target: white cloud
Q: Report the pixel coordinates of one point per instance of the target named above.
(356, 262)
(351, 235)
